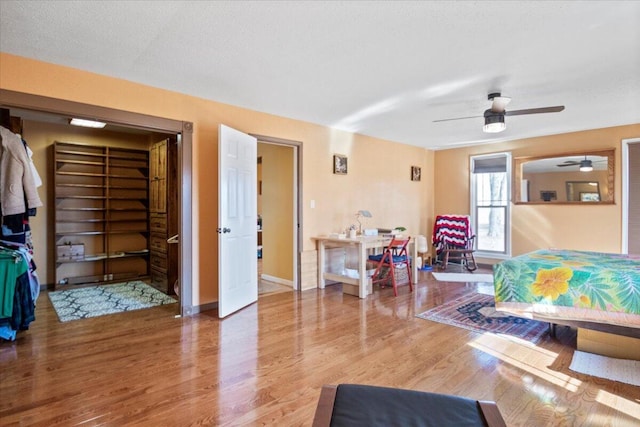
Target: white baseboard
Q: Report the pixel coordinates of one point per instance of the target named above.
(277, 280)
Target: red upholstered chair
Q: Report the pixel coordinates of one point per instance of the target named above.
(393, 256)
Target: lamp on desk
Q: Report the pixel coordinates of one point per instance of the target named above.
(362, 213)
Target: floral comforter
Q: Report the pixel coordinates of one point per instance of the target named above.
(570, 285)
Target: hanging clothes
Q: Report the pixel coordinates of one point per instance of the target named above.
(19, 284)
(19, 180)
(17, 306)
(18, 190)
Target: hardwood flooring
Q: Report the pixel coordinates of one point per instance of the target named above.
(265, 365)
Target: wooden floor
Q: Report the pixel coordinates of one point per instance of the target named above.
(265, 365)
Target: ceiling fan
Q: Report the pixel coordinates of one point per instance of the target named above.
(494, 116)
(586, 165)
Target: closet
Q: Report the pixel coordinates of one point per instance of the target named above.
(101, 213)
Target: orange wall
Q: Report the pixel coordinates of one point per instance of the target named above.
(378, 178)
(583, 227)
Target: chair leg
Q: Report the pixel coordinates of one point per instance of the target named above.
(377, 274)
(409, 276)
(471, 266)
(446, 260)
(391, 274)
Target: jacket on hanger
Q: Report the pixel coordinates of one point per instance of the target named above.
(17, 183)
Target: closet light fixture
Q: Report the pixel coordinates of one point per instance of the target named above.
(87, 123)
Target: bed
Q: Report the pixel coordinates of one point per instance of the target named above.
(592, 290)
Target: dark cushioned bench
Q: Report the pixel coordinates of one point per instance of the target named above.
(352, 405)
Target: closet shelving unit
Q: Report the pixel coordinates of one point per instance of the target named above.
(101, 202)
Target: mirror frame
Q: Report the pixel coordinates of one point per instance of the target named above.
(518, 163)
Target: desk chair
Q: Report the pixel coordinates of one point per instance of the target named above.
(423, 251)
(393, 256)
(353, 405)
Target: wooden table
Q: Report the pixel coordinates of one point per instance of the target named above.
(364, 245)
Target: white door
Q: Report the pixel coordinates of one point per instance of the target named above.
(238, 215)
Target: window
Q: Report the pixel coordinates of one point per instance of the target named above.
(490, 216)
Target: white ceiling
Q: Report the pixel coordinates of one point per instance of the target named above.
(380, 68)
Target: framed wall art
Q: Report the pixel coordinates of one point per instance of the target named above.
(416, 173)
(340, 164)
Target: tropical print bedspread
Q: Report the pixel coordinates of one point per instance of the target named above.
(571, 285)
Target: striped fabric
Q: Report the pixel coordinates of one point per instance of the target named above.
(451, 230)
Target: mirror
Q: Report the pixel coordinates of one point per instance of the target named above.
(576, 178)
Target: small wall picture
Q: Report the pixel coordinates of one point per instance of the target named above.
(340, 164)
(416, 173)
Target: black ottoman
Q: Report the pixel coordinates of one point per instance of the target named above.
(352, 405)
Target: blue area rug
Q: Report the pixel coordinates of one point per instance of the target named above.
(94, 301)
(476, 312)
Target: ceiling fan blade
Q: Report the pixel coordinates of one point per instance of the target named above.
(499, 103)
(555, 109)
(457, 118)
(568, 164)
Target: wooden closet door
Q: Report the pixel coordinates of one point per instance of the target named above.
(163, 214)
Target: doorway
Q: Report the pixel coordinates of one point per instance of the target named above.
(133, 122)
(278, 214)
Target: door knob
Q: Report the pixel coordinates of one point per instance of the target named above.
(223, 230)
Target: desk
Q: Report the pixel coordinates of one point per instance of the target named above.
(363, 245)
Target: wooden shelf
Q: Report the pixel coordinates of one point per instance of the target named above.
(115, 165)
(102, 257)
(80, 153)
(82, 185)
(92, 184)
(128, 177)
(83, 197)
(82, 209)
(80, 174)
(79, 221)
(81, 162)
(95, 233)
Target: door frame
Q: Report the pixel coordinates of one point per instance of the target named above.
(183, 130)
(297, 192)
(625, 192)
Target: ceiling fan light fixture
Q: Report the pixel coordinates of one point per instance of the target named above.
(494, 123)
(586, 165)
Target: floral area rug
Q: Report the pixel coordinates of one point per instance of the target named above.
(82, 303)
(476, 312)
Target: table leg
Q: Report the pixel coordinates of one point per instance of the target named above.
(414, 264)
(321, 263)
(363, 280)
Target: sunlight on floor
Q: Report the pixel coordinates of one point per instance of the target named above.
(525, 356)
(536, 361)
(619, 403)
